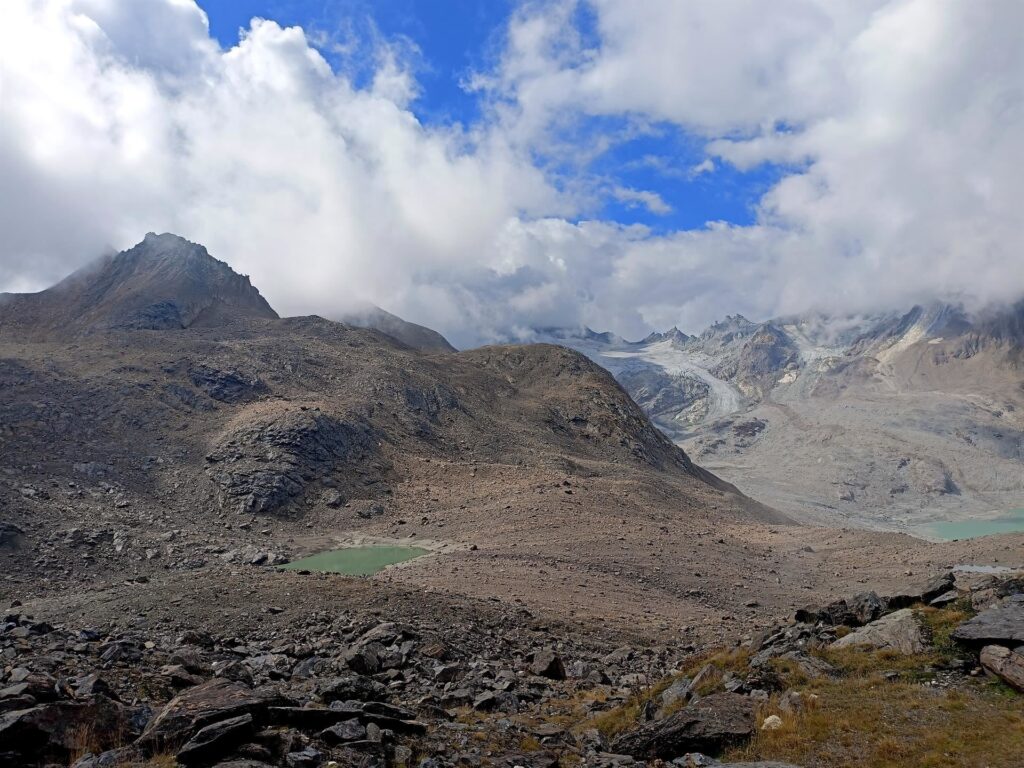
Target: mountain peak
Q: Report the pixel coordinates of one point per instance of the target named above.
(163, 282)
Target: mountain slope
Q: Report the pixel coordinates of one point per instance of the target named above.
(172, 447)
(134, 460)
(413, 335)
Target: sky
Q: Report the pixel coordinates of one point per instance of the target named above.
(492, 167)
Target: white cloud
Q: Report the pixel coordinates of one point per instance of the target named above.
(902, 120)
(707, 165)
(652, 201)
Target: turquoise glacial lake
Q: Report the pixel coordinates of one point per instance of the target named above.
(971, 529)
(356, 561)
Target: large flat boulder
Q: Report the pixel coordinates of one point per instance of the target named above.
(194, 709)
(1002, 624)
(899, 631)
(1006, 664)
(708, 725)
(216, 740)
(936, 586)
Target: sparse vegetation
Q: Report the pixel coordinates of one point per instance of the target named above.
(865, 721)
(882, 710)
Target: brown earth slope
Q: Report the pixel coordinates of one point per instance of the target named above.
(227, 437)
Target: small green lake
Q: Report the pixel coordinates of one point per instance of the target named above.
(971, 529)
(356, 561)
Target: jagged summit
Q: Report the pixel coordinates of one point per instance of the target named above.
(164, 282)
(731, 328)
(673, 335)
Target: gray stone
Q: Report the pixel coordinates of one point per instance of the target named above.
(1002, 624)
(940, 585)
(216, 740)
(188, 712)
(899, 631)
(866, 607)
(546, 663)
(351, 688)
(343, 732)
(709, 725)
(1006, 664)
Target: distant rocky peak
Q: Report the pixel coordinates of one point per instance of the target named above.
(163, 282)
(169, 251)
(672, 335)
(731, 328)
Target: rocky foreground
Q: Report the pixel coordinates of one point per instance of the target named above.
(484, 685)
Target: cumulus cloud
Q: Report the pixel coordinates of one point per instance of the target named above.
(901, 123)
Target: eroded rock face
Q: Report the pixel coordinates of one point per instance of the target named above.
(899, 631)
(270, 457)
(227, 386)
(709, 725)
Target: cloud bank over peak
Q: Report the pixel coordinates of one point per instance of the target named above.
(898, 128)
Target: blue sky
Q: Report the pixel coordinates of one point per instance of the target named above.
(451, 39)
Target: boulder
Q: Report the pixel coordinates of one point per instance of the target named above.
(304, 758)
(673, 697)
(547, 663)
(54, 730)
(866, 607)
(811, 666)
(940, 585)
(899, 631)
(1002, 624)
(1006, 664)
(1007, 587)
(194, 709)
(363, 660)
(351, 688)
(946, 598)
(216, 740)
(936, 586)
(343, 732)
(709, 725)
(311, 718)
(113, 758)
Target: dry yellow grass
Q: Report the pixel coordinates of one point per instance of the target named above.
(866, 722)
(868, 718)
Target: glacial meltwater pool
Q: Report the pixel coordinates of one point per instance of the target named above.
(356, 561)
(970, 529)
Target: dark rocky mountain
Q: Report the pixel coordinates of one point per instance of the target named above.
(164, 282)
(413, 335)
